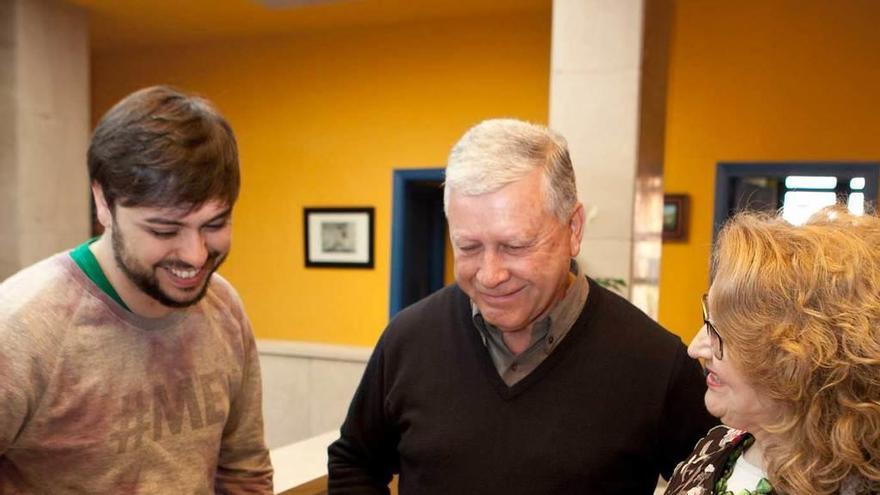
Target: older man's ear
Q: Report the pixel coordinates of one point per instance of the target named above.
(576, 225)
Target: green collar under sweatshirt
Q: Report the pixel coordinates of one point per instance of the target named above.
(87, 262)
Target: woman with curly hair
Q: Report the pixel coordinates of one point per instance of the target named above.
(791, 348)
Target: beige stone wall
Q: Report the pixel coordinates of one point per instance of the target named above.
(44, 89)
(594, 96)
(8, 176)
(606, 98)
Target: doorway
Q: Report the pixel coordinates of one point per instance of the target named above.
(418, 236)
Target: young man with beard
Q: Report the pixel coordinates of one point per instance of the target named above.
(126, 364)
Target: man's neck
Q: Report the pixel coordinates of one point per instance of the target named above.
(139, 303)
(518, 341)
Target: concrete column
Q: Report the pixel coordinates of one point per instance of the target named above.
(607, 97)
(44, 98)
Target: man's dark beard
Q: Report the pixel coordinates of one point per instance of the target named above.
(148, 283)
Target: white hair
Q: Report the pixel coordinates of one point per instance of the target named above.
(498, 152)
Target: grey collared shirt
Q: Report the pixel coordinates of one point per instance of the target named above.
(546, 333)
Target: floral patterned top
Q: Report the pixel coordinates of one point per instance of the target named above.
(698, 474)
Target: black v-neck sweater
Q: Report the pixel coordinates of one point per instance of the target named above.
(615, 404)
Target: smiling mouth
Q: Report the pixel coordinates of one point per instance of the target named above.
(184, 274)
(712, 379)
(501, 297)
(185, 278)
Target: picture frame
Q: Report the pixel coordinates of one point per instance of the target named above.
(339, 237)
(675, 217)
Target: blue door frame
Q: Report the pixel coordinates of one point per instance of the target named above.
(402, 181)
(727, 171)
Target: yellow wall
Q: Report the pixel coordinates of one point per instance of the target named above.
(759, 80)
(322, 120)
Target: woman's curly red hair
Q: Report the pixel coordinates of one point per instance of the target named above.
(799, 309)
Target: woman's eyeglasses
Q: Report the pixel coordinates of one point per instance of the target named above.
(714, 338)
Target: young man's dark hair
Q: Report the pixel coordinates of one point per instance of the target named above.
(159, 146)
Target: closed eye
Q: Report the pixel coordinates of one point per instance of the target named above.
(517, 248)
(163, 234)
(216, 225)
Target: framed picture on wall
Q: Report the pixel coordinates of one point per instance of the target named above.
(338, 237)
(675, 217)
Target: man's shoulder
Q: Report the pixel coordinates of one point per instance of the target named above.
(38, 303)
(222, 298)
(426, 317)
(625, 328)
(628, 321)
(224, 293)
(43, 283)
(437, 306)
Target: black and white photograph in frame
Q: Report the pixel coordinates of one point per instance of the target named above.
(339, 237)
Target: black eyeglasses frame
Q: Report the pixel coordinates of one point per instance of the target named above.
(714, 336)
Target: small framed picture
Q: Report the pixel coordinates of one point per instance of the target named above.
(675, 218)
(338, 237)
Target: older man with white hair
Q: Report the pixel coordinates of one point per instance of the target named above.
(525, 376)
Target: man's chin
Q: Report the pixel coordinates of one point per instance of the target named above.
(180, 303)
(178, 298)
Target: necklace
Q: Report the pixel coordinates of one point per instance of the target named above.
(764, 487)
